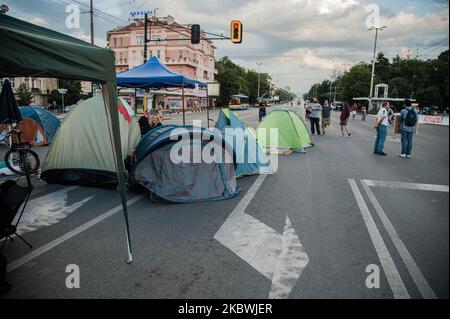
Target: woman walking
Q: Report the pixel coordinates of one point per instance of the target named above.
(345, 115)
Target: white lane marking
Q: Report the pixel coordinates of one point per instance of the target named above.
(48, 210)
(43, 249)
(403, 185)
(393, 276)
(419, 279)
(290, 263)
(279, 257)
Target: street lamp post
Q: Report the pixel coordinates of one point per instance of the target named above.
(62, 92)
(373, 62)
(259, 78)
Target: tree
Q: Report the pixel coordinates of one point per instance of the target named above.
(232, 79)
(355, 82)
(429, 96)
(24, 95)
(400, 88)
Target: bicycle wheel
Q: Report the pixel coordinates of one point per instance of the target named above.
(21, 161)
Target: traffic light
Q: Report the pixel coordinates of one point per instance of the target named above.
(195, 34)
(236, 31)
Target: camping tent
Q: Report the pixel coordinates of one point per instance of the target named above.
(80, 153)
(45, 119)
(38, 125)
(159, 169)
(292, 132)
(250, 158)
(30, 50)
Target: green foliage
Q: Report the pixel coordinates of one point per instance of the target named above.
(24, 95)
(235, 79)
(426, 81)
(429, 96)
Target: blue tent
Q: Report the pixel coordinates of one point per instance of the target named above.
(158, 169)
(44, 118)
(154, 75)
(250, 158)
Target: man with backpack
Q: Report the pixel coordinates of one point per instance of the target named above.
(409, 121)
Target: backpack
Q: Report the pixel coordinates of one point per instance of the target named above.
(411, 118)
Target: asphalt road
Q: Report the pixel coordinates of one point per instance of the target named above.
(340, 198)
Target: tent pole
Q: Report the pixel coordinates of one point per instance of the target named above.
(182, 101)
(135, 100)
(112, 116)
(207, 107)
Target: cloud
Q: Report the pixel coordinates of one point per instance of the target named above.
(299, 41)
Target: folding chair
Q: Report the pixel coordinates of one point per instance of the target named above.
(12, 198)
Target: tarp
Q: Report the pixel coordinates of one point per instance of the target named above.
(44, 118)
(80, 153)
(154, 75)
(292, 132)
(32, 51)
(188, 181)
(9, 112)
(250, 158)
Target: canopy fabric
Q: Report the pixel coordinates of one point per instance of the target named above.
(30, 50)
(250, 158)
(292, 132)
(154, 75)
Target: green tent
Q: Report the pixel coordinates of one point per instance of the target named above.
(32, 51)
(292, 132)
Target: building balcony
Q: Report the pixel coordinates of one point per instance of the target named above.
(183, 61)
(123, 62)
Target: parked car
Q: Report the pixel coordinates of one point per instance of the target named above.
(337, 106)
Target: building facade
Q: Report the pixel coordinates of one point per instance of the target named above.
(40, 87)
(170, 43)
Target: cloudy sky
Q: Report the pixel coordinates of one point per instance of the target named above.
(299, 42)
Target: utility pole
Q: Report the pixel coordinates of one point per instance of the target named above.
(91, 12)
(145, 36)
(373, 63)
(259, 78)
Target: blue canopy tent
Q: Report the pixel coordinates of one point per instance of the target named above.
(154, 75)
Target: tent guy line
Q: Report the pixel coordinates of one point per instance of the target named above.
(54, 243)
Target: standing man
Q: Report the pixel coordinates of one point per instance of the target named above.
(382, 129)
(316, 109)
(409, 122)
(326, 116)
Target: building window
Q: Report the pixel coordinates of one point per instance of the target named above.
(180, 54)
(140, 40)
(150, 53)
(156, 39)
(181, 39)
(114, 42)
(158, 54)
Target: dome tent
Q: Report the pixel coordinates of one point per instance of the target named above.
(184, 181)
(292, 132)
(80, 153)
(44, 118)
(250, 158)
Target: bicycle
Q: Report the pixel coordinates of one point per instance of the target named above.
(20, 159)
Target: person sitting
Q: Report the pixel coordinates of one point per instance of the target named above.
(144, 124)
(155, 121)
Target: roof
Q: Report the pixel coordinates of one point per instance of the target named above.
(47, 53)
(154, 75)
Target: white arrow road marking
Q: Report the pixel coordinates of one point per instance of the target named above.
(279, 257)
(48, 210)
